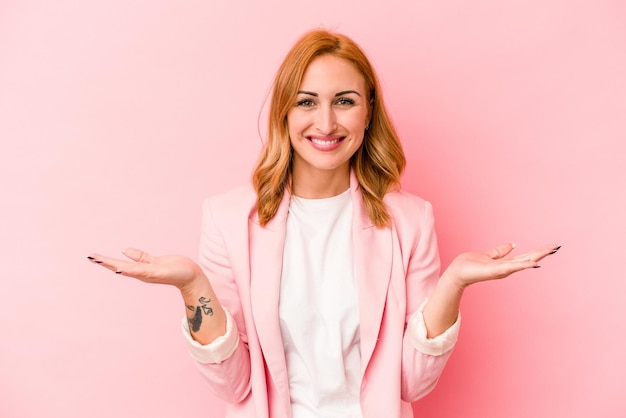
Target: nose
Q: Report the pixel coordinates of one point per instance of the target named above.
(326, 120)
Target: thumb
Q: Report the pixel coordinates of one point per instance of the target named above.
(501, 250)
(138, 255)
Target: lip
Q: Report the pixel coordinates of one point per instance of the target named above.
(325, 142)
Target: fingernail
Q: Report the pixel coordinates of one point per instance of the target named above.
(97, 261)
(513, 245)
(91, 258)
(118, 272)
(555, 250)
(536, 267)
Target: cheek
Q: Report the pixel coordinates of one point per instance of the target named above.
(295, 123)
(356, 122)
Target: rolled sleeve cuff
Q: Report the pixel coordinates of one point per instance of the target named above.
(437, 346)
(217, 351)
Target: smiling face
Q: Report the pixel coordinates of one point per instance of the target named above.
(326, 126)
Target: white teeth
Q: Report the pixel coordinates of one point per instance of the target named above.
(322, 142)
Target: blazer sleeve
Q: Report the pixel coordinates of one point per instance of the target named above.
(228, 374)
(423, 359)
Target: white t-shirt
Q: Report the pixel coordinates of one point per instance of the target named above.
(318, 309)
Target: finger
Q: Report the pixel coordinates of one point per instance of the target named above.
(112, 264)
(141, 271)
(501, 250)
(538, 254)
(138, 255)
(511, 266)
(550, 250)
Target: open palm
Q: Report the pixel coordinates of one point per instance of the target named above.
(472, 267)
(174, 270)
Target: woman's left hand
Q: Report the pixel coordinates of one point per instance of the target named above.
(472, 267)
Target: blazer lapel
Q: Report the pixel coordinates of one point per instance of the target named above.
(266, 260)
(372, 255)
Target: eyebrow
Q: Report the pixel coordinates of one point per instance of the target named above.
(341, 93)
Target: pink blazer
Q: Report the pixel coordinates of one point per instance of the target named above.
(396, 269)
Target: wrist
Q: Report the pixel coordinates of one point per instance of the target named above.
(452, 283)
(198, 284)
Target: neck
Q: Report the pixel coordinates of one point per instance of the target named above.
(321, 184)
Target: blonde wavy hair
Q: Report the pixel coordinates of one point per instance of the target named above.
(378, 163)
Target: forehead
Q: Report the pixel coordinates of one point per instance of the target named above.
(331, 73)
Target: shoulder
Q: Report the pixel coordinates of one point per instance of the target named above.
(412, 218)
(402, 205)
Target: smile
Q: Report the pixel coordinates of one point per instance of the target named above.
(325, 140)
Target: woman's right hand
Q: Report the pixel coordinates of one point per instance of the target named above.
(206, 316)
(174, 270)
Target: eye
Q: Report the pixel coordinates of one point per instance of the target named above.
(305, 103)
(344, 101)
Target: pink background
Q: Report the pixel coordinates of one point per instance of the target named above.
(117, 118)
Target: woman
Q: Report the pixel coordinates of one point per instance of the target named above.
(319, 292)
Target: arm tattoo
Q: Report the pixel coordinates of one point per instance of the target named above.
(196, 321)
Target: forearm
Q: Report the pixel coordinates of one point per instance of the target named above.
(205, 314)
(215, 344)
(442, 309)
